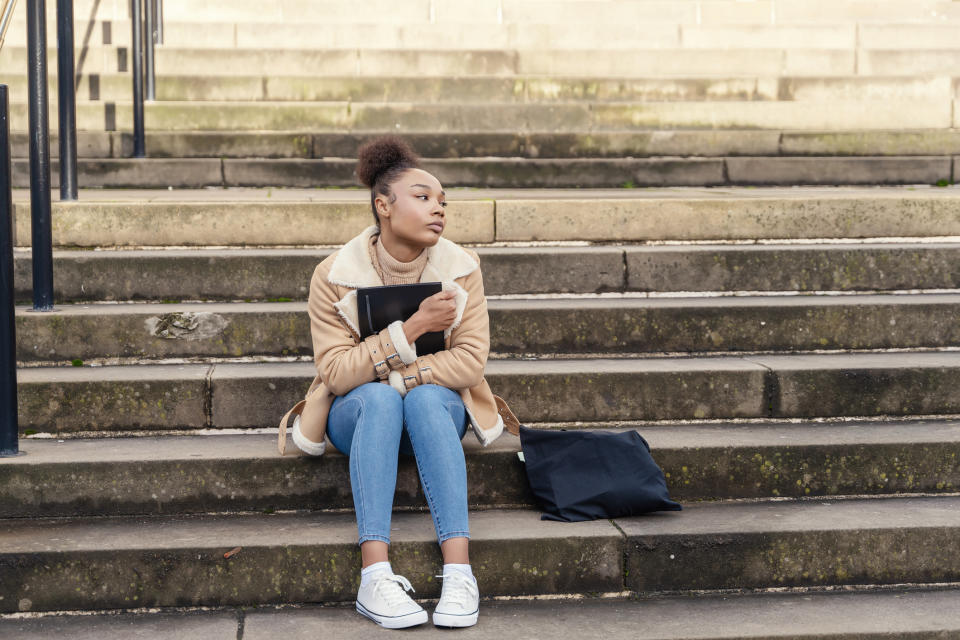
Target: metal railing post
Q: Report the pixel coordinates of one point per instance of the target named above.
(151, 38)
(136, 19)
(9, 429)
(67, 101)
(41, 230)
(6, 14)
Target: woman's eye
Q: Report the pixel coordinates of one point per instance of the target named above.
(443, 204)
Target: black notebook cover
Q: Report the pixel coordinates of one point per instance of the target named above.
(377, 307)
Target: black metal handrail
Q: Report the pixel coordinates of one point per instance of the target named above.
(41, 221)
(6, 14)
(67, 101)
(9, 429)
(147, 19)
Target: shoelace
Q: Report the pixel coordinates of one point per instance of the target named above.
(458, 588)
(393, 588)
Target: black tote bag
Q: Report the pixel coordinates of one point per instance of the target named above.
(585, 475)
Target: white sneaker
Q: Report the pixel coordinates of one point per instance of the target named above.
(385, 601)
(459, 603)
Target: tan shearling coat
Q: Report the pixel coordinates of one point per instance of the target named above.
(344, 361)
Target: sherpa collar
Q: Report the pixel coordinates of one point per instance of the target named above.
(352, 268)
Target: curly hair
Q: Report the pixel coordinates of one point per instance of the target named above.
(380, 162)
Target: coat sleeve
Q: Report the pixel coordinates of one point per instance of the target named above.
(342, 363)
(461, 365)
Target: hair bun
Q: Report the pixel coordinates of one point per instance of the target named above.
(383, 154)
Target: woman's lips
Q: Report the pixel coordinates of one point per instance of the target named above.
(436, 226)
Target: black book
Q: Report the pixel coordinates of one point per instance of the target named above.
(377, 307)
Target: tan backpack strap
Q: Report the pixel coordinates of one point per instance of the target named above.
(282, 434)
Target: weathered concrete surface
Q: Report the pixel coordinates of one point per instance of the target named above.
(164, 275)
(90, 144)
(597, 172)
(338, 62)
(723, 324)
(254, 172)
(865, 384)
(289, 170)
(141, 173)
(468, 144)
(552, 390)
(197, 474)
(70, 399)
(866, 616)
(829, 114)
(217, 144)
(618, 215)
(161, 626)
(165, 331)
(727, 217)
(305, 557)
(836, 170)
(89, 224)
(521, 326)
(202, 474)
(265, 274)
(869, 143)
(783, 267)
(490, 172)
(792, 544)
(548, 390)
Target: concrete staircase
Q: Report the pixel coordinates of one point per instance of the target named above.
(516, 93)
(791, 354)
(791, 359)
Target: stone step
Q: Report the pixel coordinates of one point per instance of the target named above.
(518, 173)
(96, 58)
(115, 30)
(680, 142)
(559, 117)
(332, 217)
(216, 473)
(517, 89)
(506, 90)
(615, 326)
(194, 396)
(839, 616)
(689, 14)
(279, 274)
(627, 63)
(126, 562)
(454, 35)
(571, 12)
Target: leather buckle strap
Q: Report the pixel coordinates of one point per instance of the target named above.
(392, 358)
(379, 363)
(424, 371)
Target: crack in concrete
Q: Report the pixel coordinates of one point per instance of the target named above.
(771, 389)
(208, 396)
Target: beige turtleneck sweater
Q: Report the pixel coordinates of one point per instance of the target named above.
(391, 270)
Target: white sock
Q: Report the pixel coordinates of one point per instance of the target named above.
(459, 568)
(377, 567)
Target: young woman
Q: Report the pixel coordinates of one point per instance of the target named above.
(376, 398)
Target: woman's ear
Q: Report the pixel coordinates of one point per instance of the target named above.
(383, 208)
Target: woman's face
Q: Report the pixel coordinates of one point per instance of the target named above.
(415, 213)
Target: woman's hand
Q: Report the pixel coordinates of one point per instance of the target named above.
(436, 313)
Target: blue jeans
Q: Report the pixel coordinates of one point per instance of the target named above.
(373, 424)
